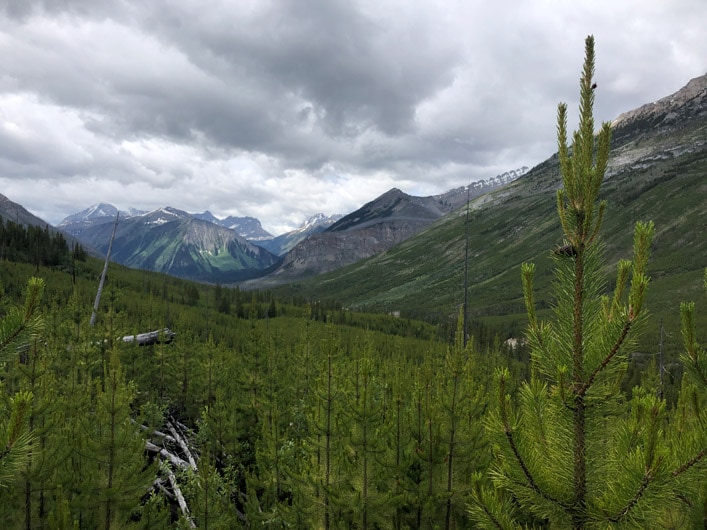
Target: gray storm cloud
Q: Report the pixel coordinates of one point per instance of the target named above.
(281, 109)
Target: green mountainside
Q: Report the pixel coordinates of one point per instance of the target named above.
(657, 171)
(184, 247)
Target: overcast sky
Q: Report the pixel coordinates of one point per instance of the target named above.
(283, 109)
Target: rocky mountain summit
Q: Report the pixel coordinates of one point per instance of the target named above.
(246, 227)
(670, 111)
(662, 130)
(283, 243)
(97, 214)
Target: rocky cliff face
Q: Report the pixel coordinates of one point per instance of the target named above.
(247, 227)
(375, 227)
(329, 251)
(668, 112)
(662, 130)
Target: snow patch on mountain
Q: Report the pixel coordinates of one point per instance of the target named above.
(316, 220)
(99, 212)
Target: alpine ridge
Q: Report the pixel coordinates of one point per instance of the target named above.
(374, 228)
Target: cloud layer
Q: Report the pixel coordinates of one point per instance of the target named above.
(282, 109)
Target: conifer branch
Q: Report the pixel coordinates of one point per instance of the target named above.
(614, 350)
(597, 225)
(491, 517)
(528, 475)
(508, 431)
(692, 354)
(624, 269)
(687, 465)
(12, 336)
(562, 139)
(16, 324)
(479, 500)
(647, 479)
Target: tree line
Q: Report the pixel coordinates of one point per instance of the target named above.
(33, 244)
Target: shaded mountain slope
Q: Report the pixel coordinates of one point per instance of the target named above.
(11, 211)
(182, 246)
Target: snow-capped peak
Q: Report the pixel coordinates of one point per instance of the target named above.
(164, 215)
(99, 212)
(318, 219)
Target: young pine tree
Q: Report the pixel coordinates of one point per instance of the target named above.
(689, 439)
(368, 490)
(18, 326)
(119, 473)
(570, 450)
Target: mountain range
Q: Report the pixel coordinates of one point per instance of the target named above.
(74, 224)
(404, 253)
(172, 241)
(377, 226)
(657, 171)
(195, 246)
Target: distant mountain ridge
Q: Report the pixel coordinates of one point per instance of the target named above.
(174, 242)
(247, 227)
(377, 226)
(282, 244)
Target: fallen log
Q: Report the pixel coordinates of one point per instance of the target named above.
(173, 459)
(180, 498)
(160, 434)
(183, 444)
(158, 484)
(165, 336)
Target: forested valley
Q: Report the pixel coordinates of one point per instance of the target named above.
(250, 411)
(295, 412)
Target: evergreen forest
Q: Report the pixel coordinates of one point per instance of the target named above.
(249, 410)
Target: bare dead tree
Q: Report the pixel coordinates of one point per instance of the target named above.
(103, 274)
